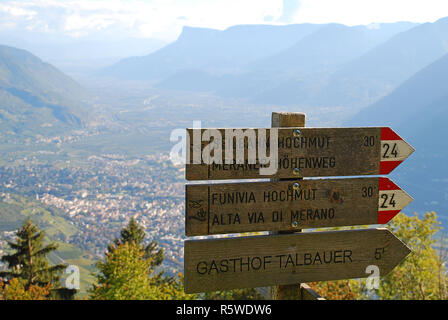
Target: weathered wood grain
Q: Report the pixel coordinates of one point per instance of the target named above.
(290, 205)
(311, 153)
(279, 120)
(246, 262)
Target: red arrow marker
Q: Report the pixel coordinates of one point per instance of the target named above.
(391, 200)
(394, 150)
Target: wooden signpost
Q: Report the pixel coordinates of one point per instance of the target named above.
(288, 203)
(308, 152)
(291, 205)
(255, 261)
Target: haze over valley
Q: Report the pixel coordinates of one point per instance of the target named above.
(85, 124)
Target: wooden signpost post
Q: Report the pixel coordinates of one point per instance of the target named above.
(287, 204)
(293, 291)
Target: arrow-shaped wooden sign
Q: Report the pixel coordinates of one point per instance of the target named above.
(222, 264)
(302, 152)
(291, 205)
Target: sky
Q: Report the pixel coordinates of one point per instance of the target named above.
(164, 19)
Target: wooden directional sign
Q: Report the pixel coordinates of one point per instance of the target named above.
(302, 152)
(257, 261)
(291, 205)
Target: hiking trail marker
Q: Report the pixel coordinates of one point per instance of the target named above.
(255, 261)
(288, 203)
(291, 205)
(307, 152)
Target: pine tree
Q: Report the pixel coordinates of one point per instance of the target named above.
(29, 261)
(129, 258)
(124, 275)
(136, 234)
(133, 233)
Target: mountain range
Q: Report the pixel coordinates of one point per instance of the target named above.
(266, 64)
(388, 74)
(386, 66)
(36, 97)
(418, 110)
(210, 50)
(418, 105)
(305, 64)
(78, 56)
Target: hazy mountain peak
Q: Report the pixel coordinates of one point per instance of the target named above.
(196, 33)
(211, 49)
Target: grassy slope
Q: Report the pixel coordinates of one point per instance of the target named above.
(15, 210)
